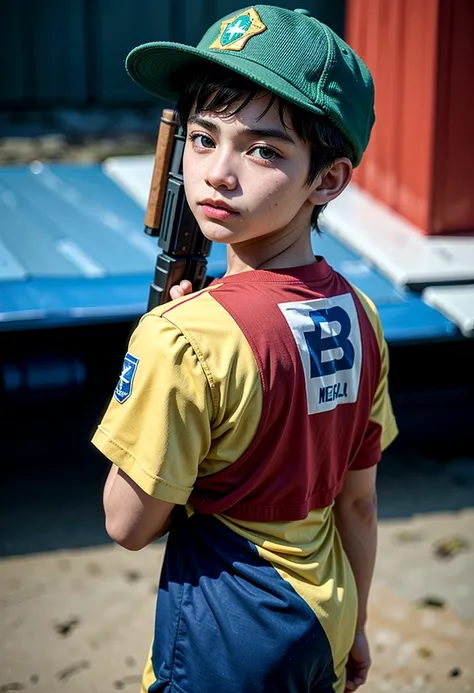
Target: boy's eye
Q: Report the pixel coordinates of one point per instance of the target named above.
(264, 153)
(201, 141)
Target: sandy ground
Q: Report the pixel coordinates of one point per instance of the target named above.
(80, 619)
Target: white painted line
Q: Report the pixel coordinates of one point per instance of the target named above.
(10, 267)
(79, 258)
(132, 174)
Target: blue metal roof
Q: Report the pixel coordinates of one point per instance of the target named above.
(72, 249)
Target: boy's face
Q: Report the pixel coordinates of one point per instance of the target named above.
(245, 175)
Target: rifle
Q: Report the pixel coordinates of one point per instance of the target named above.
(184, 248)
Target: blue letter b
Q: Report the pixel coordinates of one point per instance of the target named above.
(317, 343)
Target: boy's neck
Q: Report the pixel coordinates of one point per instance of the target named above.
(283, 253)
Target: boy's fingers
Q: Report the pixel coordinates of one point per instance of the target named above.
(186, 285)
(360, 675)
(358, 679)
(178, 290)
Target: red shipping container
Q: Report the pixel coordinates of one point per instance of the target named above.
(420, 158)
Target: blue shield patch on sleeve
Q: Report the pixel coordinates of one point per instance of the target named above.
(124, 385)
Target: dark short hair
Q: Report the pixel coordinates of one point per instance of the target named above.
(212, 87)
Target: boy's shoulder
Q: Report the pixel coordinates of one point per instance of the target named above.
(215, 340)
(206, 325)
(189, 312)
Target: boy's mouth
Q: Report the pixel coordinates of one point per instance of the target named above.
(216, 209)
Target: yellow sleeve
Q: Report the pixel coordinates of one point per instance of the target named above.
(157, 427)
(382, 427)
(382, 413)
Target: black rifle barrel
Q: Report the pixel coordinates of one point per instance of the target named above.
(184, 248)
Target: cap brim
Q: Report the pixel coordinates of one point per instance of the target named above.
(154, 66)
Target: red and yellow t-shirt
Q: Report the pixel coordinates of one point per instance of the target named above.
(248, 402)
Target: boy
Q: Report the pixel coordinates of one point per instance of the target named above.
(249, 417)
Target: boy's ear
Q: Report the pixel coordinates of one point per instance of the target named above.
(331, 182)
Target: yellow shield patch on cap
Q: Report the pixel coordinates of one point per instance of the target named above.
(235, 32)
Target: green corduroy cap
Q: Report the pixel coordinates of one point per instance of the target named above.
(286, 51)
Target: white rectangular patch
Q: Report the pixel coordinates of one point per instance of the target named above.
(327, 334)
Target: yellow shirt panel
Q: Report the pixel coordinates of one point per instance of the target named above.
(195, 403)
(382, 413)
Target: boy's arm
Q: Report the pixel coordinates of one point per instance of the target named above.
(156, 435)
(355, 511)
(133, 519)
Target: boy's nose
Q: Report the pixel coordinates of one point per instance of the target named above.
(220, 173)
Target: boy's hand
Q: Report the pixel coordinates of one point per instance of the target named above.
(178, 290)
(359, 662)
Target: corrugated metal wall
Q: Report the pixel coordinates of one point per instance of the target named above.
(419, 160)
(71, 52)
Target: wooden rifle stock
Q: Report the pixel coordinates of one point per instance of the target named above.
(164, 148)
